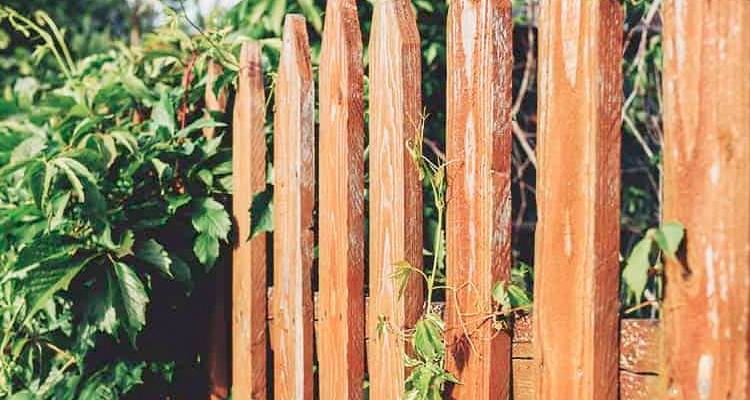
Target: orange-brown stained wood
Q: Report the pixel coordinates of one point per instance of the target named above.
(218, 335)
(706, 173)
(577, 239)
(480, 62)
(249, 341)
(341, 322)
(294, 199)
(395, 190)
(213, 102)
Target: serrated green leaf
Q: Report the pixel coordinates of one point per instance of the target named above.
(48, 278)
(133, 298)
(261, 213)
(206, 249)
(211, 218)
(428, 338)
(153, 253)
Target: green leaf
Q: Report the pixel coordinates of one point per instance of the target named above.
(261, 213)
(153, 253)
(428, 337)
(135, 87)
(160, 167)
(211, 218)
(133, 298)
(518, 296)
(401, 272)
(199, 124)
(668, 237)
(48, 278)
(206, 249)
(163, 113)
(636, 269)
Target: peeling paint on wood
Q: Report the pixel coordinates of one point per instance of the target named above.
(577, 268)
(294, 199)
(706, 173)
(341, 336)
(395, 190)
(249, 341)
(478, 136)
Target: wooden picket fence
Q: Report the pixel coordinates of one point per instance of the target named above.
(575, 346)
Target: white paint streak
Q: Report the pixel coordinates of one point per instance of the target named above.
(705, 370)
(567, 236)
(715, 173)
(680, 10)
(571, 26)
(468, 34)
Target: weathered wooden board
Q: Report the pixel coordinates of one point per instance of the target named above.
(341, 336)
(706, 188)
(217, 359)
(249, 341)
(578, 194)
(480, 62)
(294, 200)
(395, 191)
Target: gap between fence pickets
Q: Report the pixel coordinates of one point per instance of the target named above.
(639, 340)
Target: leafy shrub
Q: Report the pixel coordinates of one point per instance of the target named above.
(107, 188)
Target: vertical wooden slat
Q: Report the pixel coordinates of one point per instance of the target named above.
(577, 243)
(480, 62)
(706, 173)
(395, 190)
(294, 198)
(213, 102)
(218, 335)
(249, 341)
(341, 320)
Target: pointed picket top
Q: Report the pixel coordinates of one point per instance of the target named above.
(294, 200)
(478, 140)
(341, 322)
(395, 191)
(249, 339)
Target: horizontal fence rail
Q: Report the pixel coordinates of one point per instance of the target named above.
(349, 343)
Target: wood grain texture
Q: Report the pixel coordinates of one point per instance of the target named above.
(249, 339)
(395, 190)
(212, 101)
(478, 136)
(706, 172)
(640, 345)
(294, 200)
(217, 358)
(578, 194)
(638, 360)
(341, 337)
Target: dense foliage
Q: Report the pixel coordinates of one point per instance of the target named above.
(108, 189)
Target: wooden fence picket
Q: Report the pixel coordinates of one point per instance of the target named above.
(341, 321)
(706, 172)
(294, 200)
(480, 62)
(395, 191)
(218, 335)
(577, 268)
(249, 339)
